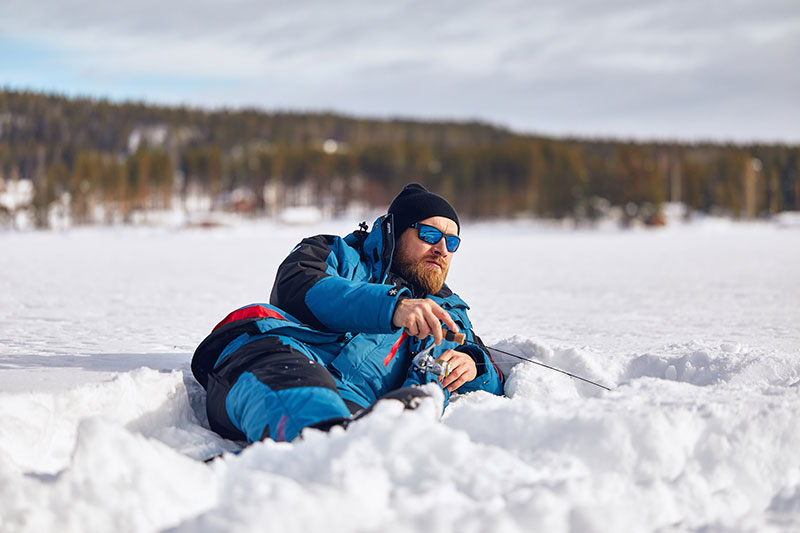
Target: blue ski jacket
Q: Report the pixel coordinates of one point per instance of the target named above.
(333, 300)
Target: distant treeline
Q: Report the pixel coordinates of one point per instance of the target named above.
(127, 157)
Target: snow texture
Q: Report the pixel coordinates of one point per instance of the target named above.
(696, 329)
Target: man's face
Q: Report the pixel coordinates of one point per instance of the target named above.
(422, 263)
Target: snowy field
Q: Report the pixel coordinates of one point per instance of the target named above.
(696, 328)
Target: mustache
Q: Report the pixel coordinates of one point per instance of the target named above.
(437, 259)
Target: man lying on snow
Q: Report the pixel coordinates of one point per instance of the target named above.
(347, 316)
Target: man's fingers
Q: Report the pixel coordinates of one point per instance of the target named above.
(464, 377)
(454, 380)
(423, 325)
(445, 317)
(455, 386)
(421, 317)
(433, 313)
(462, 369)
(435, 328)
(448, 355)
(456, 368)
(450, 378)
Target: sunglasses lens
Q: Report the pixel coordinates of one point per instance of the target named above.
(432, 235)
(429, 234)
(452, 243)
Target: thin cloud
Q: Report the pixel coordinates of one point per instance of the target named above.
(686, 69)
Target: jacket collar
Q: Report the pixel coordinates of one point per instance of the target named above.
(379, 248)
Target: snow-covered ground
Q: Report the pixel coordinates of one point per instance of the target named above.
(696, 328)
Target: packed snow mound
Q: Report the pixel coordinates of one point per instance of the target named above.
(122, 472)
(541, 382)
(39, 431)
(121, 446)
(396, 464)
(694, 328)
(548, 461)
(706, 364)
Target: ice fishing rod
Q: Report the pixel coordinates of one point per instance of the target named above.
(460, 338)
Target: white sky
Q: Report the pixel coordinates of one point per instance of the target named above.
(719, 70)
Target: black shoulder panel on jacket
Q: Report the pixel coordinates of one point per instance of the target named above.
(206, 355)
(300, 271)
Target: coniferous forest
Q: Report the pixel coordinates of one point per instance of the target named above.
(104, 161)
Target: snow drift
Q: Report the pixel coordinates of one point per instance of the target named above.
(695, 329)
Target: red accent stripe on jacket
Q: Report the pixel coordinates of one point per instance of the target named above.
(251, 311)
(394, 349)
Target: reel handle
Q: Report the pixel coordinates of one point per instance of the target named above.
(458, 338)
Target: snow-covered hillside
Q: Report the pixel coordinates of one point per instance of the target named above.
(696, 328)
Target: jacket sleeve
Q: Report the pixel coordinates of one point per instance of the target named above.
(489, 377)
(321, 282)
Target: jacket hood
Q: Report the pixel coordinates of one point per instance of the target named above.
(378, 248)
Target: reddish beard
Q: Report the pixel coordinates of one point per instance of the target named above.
(429, 277)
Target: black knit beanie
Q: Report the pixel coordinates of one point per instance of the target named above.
(415, 203)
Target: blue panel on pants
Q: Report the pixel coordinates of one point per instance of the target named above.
(253, 407)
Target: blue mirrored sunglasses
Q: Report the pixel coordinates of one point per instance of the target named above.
(433, 235)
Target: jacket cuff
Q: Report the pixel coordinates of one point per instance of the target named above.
(401, 294)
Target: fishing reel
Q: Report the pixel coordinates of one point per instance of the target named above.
(424, 362)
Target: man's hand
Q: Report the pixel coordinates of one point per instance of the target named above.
(462, 369)
(421, 318)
